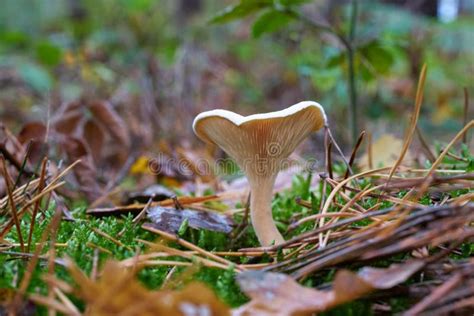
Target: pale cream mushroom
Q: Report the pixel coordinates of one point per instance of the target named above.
(260, 144)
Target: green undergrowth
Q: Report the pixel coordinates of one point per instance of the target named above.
(82, 241)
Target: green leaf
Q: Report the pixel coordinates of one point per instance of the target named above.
(470, 166)
(183, 227)
(270, 21)
(240, 10)
(48, 54)
(337, 60)
(325, 79)
(14, 38)
(378, 56)
(288, 3)
(36, 77)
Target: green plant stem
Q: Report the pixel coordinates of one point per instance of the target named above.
(353, 120)
(348, 44)
(351, 72)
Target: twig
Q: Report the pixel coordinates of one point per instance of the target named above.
(187, 244)
(354, 152)
(23, 165)
(37, 204)
(413, 122)
(240, 229)
(112, 239)
(424, 144)
(339, 150)
(328, 146)
(437, 294)
(12, 159)
(16, 220)
(370, 151)
(53, 226)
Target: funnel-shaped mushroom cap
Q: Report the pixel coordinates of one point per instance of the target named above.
(260, 142)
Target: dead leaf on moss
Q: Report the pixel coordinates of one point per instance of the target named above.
(170, 219)
(119, 292)
(279, 294)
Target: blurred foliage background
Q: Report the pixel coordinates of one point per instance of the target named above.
(160, 63)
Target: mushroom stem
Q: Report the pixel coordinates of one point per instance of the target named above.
(261, 193)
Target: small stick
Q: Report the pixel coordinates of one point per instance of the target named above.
(140, 215)
(95, 265)
(23, 165)
(329, 160)
(47, 190)
(112, 239)
(168, 277)
(104, 250)
(328, 147)
(12, 159)
(237, 233)
(354, 152)
(316, 216)
(176, 203)
(37, 204)
(52, 226)
(177, 252)
(339, 150)
(50, 303)
(323, 177)
(66, 302)
(425, 145)
(12, 203)
(413, 121)
(370, 151)
(187, 244)
(456, 157)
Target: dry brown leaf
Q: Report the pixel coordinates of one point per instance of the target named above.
(34, 133)
(67, 120)
(95, 138)
(118, 292)
(85, 171)
(279, 294)
(105, 114)
(11, 144)
(385, 152)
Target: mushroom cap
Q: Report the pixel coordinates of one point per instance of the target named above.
(259, 143)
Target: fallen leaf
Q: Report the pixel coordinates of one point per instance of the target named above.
(32, 131)
(118, 292)
(106, 114)
(68, 118)
(34, 134)
(385, 152)
(279, 294)
(85, 171)
(155, 192)
(170, 219)
(94, 137)
(140, 166)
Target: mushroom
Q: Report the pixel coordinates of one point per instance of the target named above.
(260, 144)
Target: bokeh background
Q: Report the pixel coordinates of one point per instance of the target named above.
(159, 63)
